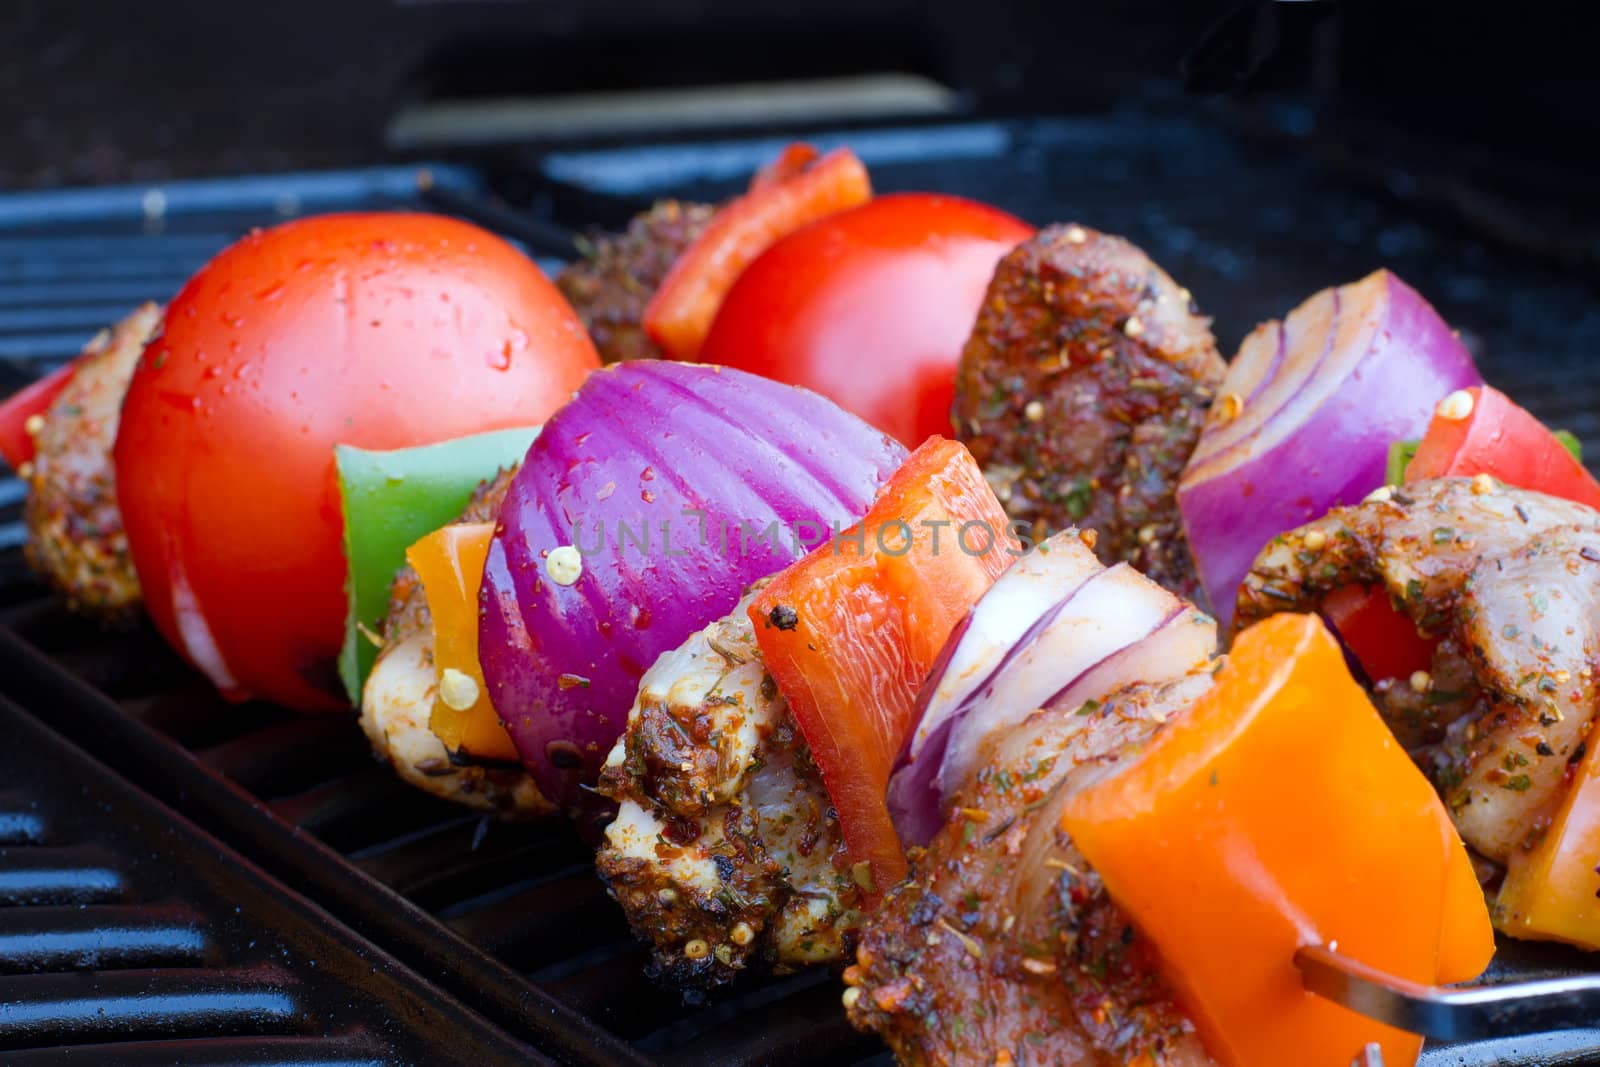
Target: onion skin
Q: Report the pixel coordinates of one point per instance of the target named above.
(1305, 417)
(642, 444)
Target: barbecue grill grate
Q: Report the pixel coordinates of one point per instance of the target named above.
(510, 919)
(128, 937)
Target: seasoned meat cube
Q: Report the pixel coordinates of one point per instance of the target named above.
(1003, 945)
(1082, 391)
(397, 703)
(618, 274)
(725, 849)
(75, 535)
(1510, 579)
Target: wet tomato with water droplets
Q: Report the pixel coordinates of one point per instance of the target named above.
(378, 330)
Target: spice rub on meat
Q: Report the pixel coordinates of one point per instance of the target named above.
(1082, 391)
(397, 702)
(1003, 947)
(617, 274)
(1510, 580)
(725, 850)
(76, 540)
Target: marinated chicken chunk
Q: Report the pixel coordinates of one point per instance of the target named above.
(75, 535)
(617, 275)
(1003, 947)
(397, 702)
(1082, 391)
(1511, 580)
(725, 849)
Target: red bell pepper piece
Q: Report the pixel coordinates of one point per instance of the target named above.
(1384, 641)
(16, 443)
(850, 632)
(791, 162)
(779, 202)
(1473, 431)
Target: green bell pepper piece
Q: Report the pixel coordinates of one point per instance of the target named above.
(390, 500)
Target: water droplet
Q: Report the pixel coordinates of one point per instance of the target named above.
(181, 401)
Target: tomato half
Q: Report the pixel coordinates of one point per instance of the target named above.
(381, 331)
(870, 307)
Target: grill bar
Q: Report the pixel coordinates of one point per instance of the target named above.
(352, 1051)
(59, 875)
(83, 1007)
(97, 936)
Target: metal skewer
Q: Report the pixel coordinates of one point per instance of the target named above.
(1451, 1013)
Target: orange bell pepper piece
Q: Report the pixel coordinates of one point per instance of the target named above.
(784, 197)
(1276, 812)
(1466, 942)
(1552, 891)
(850, 632)
(450, 563)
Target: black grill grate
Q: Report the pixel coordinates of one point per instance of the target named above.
(510, 919)
(127, 936)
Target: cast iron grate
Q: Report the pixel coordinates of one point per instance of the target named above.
(127, 936)
(511, 919)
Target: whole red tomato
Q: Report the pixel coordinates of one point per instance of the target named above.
(382, 331)
(870, 307)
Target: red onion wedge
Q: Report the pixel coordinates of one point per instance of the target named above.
(1183, 642)
(1304, 419)
(982, 690)
(985, 641)
(1110, 611)
(642, 511)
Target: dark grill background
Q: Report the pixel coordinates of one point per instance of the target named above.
(524, 932)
